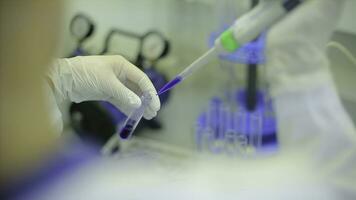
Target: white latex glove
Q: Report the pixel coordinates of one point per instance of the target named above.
(108, 78)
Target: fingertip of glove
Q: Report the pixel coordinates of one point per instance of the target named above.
(134, 101)
(149, 115)
(155, 104)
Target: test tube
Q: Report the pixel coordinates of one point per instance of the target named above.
(134, 118)
(256, 129)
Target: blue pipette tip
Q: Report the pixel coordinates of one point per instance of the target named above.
(170, 85)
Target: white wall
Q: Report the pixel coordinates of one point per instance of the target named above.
(184, 22)
(347, 22)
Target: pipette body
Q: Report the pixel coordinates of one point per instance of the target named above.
(244, 30)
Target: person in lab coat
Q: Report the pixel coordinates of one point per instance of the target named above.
(317, 155)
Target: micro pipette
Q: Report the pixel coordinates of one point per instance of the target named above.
(134, 118)
(201, 61)
(244, 30)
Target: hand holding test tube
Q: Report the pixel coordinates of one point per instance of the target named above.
(134, 118)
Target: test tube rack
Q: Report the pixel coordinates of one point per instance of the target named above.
(229, 128)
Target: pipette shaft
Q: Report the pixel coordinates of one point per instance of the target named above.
(198, 63)
(244, 30)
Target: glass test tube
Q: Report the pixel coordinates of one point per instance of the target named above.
(134, 118)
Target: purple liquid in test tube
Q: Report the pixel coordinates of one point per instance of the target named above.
(170, 85)
(134, 118)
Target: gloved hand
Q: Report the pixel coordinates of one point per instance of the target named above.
(108, 78)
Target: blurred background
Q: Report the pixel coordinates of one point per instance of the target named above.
(187, 26)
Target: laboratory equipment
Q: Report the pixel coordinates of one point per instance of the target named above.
(221, 129)
(201, 61)
(109, 40)
(97, 121)
(249, 53)
(242, 122)
(134, 118)
(82, 28)
(252, 79)
(150, 48)
(244, 30)
(153, 47)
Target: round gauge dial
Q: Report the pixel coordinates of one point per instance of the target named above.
(153, 46)
(81, 27)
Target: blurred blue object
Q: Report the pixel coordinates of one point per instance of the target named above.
(232, 129)
(251, 53)
(78, 52)
(158, 80)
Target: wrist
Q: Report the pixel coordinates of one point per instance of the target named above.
(59, 78)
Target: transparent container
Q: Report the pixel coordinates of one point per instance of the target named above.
(233, 130)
